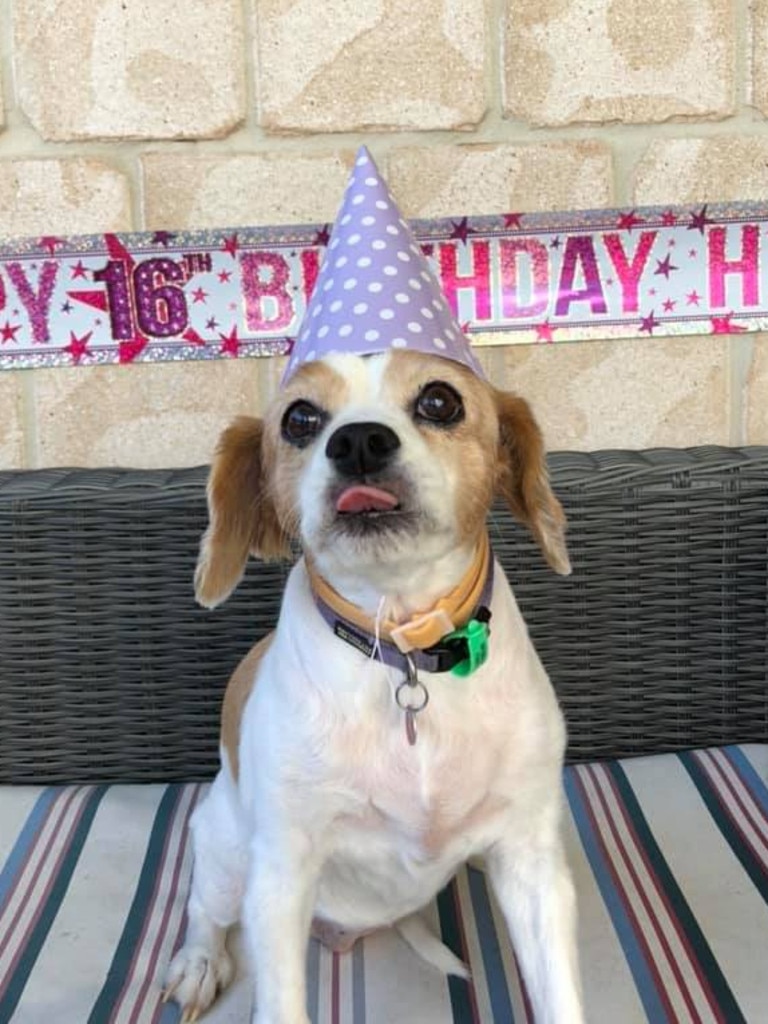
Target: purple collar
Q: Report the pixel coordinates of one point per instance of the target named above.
(443, 656)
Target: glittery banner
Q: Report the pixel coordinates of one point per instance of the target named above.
(517, 278)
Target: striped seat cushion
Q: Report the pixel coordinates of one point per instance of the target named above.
(670, 856)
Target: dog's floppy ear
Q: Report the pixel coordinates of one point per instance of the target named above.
(522, 479)
(242, 515)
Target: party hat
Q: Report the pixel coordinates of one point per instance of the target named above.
(375, 290)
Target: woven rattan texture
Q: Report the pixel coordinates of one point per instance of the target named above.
(108, 670)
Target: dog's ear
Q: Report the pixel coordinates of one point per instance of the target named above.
(242, 515)
(522, 479)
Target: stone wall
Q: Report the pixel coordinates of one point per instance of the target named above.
(131, 114)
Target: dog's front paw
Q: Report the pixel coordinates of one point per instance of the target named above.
(194, 979)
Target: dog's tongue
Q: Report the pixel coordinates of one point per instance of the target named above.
(365, 499)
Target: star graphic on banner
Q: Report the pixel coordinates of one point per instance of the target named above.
(669, 305)
(231, 341)
(163, 238)
(77, 347)
(665, 267)
(465, 326)
(609, 282)
(699, 220)
(693, 298)
(668, 219)
(427, 248)
(224, 276)
(512, 220)
(66, 307)
(671, 243)
(649, 323)
(231, 245)
(211, 324)
(651, 291)
(628, 221)
(79, 269)
(723, 325)
(555, 243)
(323, 236)
(692, 254)
(50, 242)
(8, 332)
(544, 331)
(461, 230)
(199, 295)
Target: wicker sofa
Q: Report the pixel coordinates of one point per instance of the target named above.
(111, 679)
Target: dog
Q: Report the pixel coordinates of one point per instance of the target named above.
(352, 785)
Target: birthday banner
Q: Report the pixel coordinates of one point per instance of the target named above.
(517, 278)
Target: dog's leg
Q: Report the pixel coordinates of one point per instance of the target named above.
(277, 915)
(203, 967)
(533, 886)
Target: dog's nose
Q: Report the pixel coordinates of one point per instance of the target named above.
(357, 449)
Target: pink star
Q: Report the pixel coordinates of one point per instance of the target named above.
(668, 218)
(77, 347)
(79, 270)
(323, 236)
(8, 333)
(723, 325)
(699, 220)
(231, 245)
(199, 295)
(50, 242)
(544, 331)
(693, 298)
(162, 238)
(231, 341)
(630, 220)
(692, 254)
(665, 266)
(512, 220)
(225, 275)
(461, 230)
(669, 305)
(649, 323)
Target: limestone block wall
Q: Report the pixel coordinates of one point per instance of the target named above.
(158, 114)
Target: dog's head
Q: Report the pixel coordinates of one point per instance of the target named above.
(379, 464)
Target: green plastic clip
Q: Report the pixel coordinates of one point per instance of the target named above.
(476, 635)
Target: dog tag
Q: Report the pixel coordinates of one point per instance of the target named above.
(411, 697)
(410, 727)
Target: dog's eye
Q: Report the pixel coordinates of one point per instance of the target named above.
(440, 404)
(302, 422)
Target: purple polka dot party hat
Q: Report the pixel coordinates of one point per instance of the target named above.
(375, 290)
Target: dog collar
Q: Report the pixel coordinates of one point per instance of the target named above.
(450, 637)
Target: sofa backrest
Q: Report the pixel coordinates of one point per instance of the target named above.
(109, 670)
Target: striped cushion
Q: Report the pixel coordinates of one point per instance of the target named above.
(670, 856)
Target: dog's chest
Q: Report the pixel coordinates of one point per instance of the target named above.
(427, 797)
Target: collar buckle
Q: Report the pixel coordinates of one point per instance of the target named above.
(422, 631)
(463, 650)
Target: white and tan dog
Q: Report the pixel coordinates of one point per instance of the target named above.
(336, 808)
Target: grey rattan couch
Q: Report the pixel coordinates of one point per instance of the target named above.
(656, 642)
(111, 676)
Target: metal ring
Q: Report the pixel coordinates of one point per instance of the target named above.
(412, 706)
